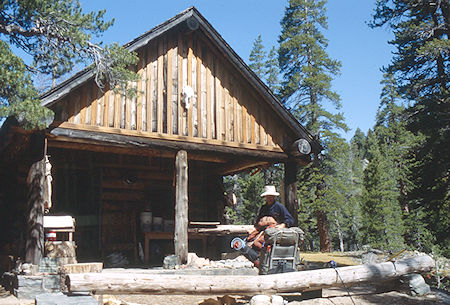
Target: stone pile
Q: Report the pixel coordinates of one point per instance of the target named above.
(203, 263)
(200, 265)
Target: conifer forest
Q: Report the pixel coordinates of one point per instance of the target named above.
(388, 188)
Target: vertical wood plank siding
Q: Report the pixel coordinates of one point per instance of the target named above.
(224, 110)
(140, 97)
(189, 72)
(169, 88)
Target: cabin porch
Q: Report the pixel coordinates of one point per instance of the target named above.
(107, 187)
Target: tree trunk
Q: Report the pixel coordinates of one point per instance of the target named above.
(160, 283)
(181, 207)
(34, 248)
(323, 226)
(290, 190)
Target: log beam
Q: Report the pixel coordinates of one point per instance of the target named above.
(181, 207)
(236, 167)
(102, 138)
(224, 230)
(148, 283)
(80, 144)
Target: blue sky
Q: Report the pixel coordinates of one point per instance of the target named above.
(362, 51)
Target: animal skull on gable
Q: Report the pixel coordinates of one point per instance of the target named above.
(187, 93)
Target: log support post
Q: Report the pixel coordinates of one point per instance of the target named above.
(181, 207)
(290, 189)
(34, 246)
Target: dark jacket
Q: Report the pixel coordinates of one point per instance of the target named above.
(277, 211)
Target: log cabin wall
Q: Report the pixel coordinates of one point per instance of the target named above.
(224, 110)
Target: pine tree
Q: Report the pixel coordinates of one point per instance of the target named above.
(257, 58)
(339, 185)
(307, 73)
(391, 127)
(273, 71)
(57, 35)
(387, 183)
(17, 93)
(420, 65)
(381, 213)
(359, 145)
(358, 162)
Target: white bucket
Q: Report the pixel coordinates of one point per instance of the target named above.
(146, 217)
(146, 221)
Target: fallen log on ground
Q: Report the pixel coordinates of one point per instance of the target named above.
(129, 283)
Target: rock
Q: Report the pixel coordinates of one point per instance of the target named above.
(277, 300)
(27, 269)
(60, 249)
(415, 284)
(191, 257)
(369, 258)
(227, 300)
(260, 299)
(170, 262)
(59, 298)
(200, 263)
(210, 301)
(266, 300)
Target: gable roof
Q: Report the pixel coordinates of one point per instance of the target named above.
(195, 19)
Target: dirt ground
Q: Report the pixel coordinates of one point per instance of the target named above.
(363, 295)
(359, 295)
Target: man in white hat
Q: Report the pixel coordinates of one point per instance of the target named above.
(274, 209)
(272, 214)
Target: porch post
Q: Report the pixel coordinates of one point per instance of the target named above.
(34, 247)
(290, 189)
(181, 207)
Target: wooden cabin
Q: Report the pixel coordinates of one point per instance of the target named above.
(201, 114)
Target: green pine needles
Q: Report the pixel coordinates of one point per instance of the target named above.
(57, 36)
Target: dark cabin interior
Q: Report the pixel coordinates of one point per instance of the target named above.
(106, 193)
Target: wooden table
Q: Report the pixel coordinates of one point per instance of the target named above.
(169, 236)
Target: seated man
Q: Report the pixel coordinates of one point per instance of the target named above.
(274, 209)
(272, 214)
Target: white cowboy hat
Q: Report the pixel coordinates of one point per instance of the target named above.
(270, 190)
